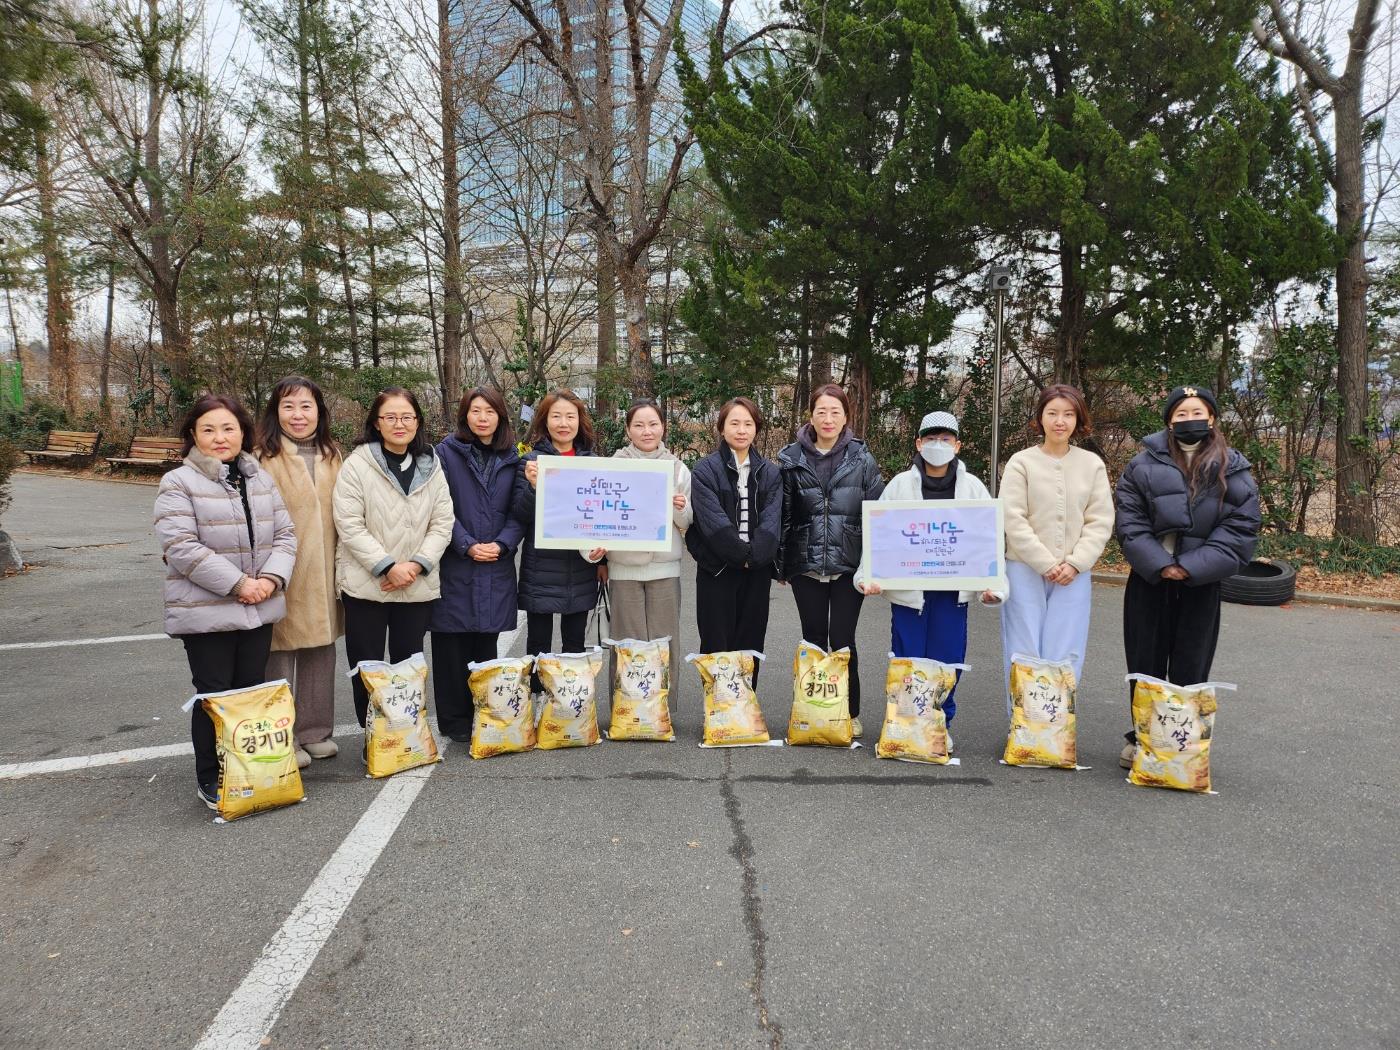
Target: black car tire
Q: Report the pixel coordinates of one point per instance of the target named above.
(1264, 581)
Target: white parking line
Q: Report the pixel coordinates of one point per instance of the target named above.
(252, 1010)
(86, 641)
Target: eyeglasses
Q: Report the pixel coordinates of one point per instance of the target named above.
(391, 420)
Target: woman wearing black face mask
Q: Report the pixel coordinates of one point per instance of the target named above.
(1188, 517)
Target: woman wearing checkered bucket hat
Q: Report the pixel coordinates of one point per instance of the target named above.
(1188, 517)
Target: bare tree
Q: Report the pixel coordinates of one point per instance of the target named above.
(1343, 158)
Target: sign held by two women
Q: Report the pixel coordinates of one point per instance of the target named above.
(591, 501)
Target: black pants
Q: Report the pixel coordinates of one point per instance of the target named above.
(829, 613)
(219, 661)
(539, 637)
(367, 623)
(1170, 630)
(452, 651)
(731, 610)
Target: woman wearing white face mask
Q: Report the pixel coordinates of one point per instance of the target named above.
(931, 624)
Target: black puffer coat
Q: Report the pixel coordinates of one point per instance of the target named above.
(713, 537)
(822, 523)
(550, 581)
(1215, 537)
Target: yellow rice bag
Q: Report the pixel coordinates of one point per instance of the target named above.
(732, 714)
(505, 713)
(570, 717)
(915, 728)
(257, 758)
(1174, 726)
(397, 730)
(821, 700)
(639, 707)
(1042, 713)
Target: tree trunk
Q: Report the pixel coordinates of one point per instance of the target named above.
(1355, 516)
(104, 381)
(58, 297)
(633, 280)
(860, 387)
(607, 334)
(451, 214)
(1069, 340)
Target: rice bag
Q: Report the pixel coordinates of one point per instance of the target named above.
(915, 728)
(1042, 713)
(505, 716)
(1174, 726)
(732, 714)
(821, 701)
(639, 705)
(397, 730)
(257, 757)
(570, 709)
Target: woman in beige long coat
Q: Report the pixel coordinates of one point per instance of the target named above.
(295, 446)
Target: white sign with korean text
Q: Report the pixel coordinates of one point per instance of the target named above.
(593, 501)
(934, 545)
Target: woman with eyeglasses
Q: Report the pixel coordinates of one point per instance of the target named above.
(393, 514)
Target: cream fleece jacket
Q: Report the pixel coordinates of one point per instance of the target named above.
(1056, 509)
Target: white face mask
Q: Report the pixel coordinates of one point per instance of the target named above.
(936, 453)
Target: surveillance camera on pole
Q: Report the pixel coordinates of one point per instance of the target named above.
(999, 285)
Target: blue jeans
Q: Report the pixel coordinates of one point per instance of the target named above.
(937, 633)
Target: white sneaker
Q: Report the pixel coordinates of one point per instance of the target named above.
(1126, 758)
(303, 759)
(323, 749)
(949, 736)
(857, 730)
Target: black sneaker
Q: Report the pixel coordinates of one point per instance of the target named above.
(209, 796)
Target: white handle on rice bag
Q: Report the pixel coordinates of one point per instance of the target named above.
(1138, 676)
(586, 652)
(958, 667)
(188, 705)
(692, 657)
(503, 661)
(615, 642)
(417, 659)
(818, 648)
(1036, 661)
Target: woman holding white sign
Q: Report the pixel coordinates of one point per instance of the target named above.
(734, 539)
(827, 474)
(644, 587)
(931, 624)
(1059, 516)
(554, 582)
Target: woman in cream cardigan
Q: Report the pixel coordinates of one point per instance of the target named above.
(1059, 515)
(295, 447)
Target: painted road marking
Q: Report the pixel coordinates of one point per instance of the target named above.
(86, 641)
(252, 1010)
(20, 770)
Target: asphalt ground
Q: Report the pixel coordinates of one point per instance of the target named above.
(647, 895)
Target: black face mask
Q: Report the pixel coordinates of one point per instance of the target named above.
(1191, 432)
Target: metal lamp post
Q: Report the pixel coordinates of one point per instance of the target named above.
(998, 283)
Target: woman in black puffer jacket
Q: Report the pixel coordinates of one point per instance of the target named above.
(827, 473)
(562, 582)
(737, 496)
(1188, 517)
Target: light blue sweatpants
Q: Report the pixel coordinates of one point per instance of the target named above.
(1043, 619)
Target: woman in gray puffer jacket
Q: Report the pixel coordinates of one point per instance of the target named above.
(827, 474)
(228, 547)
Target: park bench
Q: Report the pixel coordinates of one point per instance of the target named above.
(65, 445)
(148, 451)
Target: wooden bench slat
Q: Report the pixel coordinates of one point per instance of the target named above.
(149, 451)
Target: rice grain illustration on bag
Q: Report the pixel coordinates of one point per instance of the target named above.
(732, 714)
(253, 733)
(1174, 725)
(570, 708)
(505, 715)
(916, 729)
(640, 705)
(821, 699)
(1042, 714)
(397, 733)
